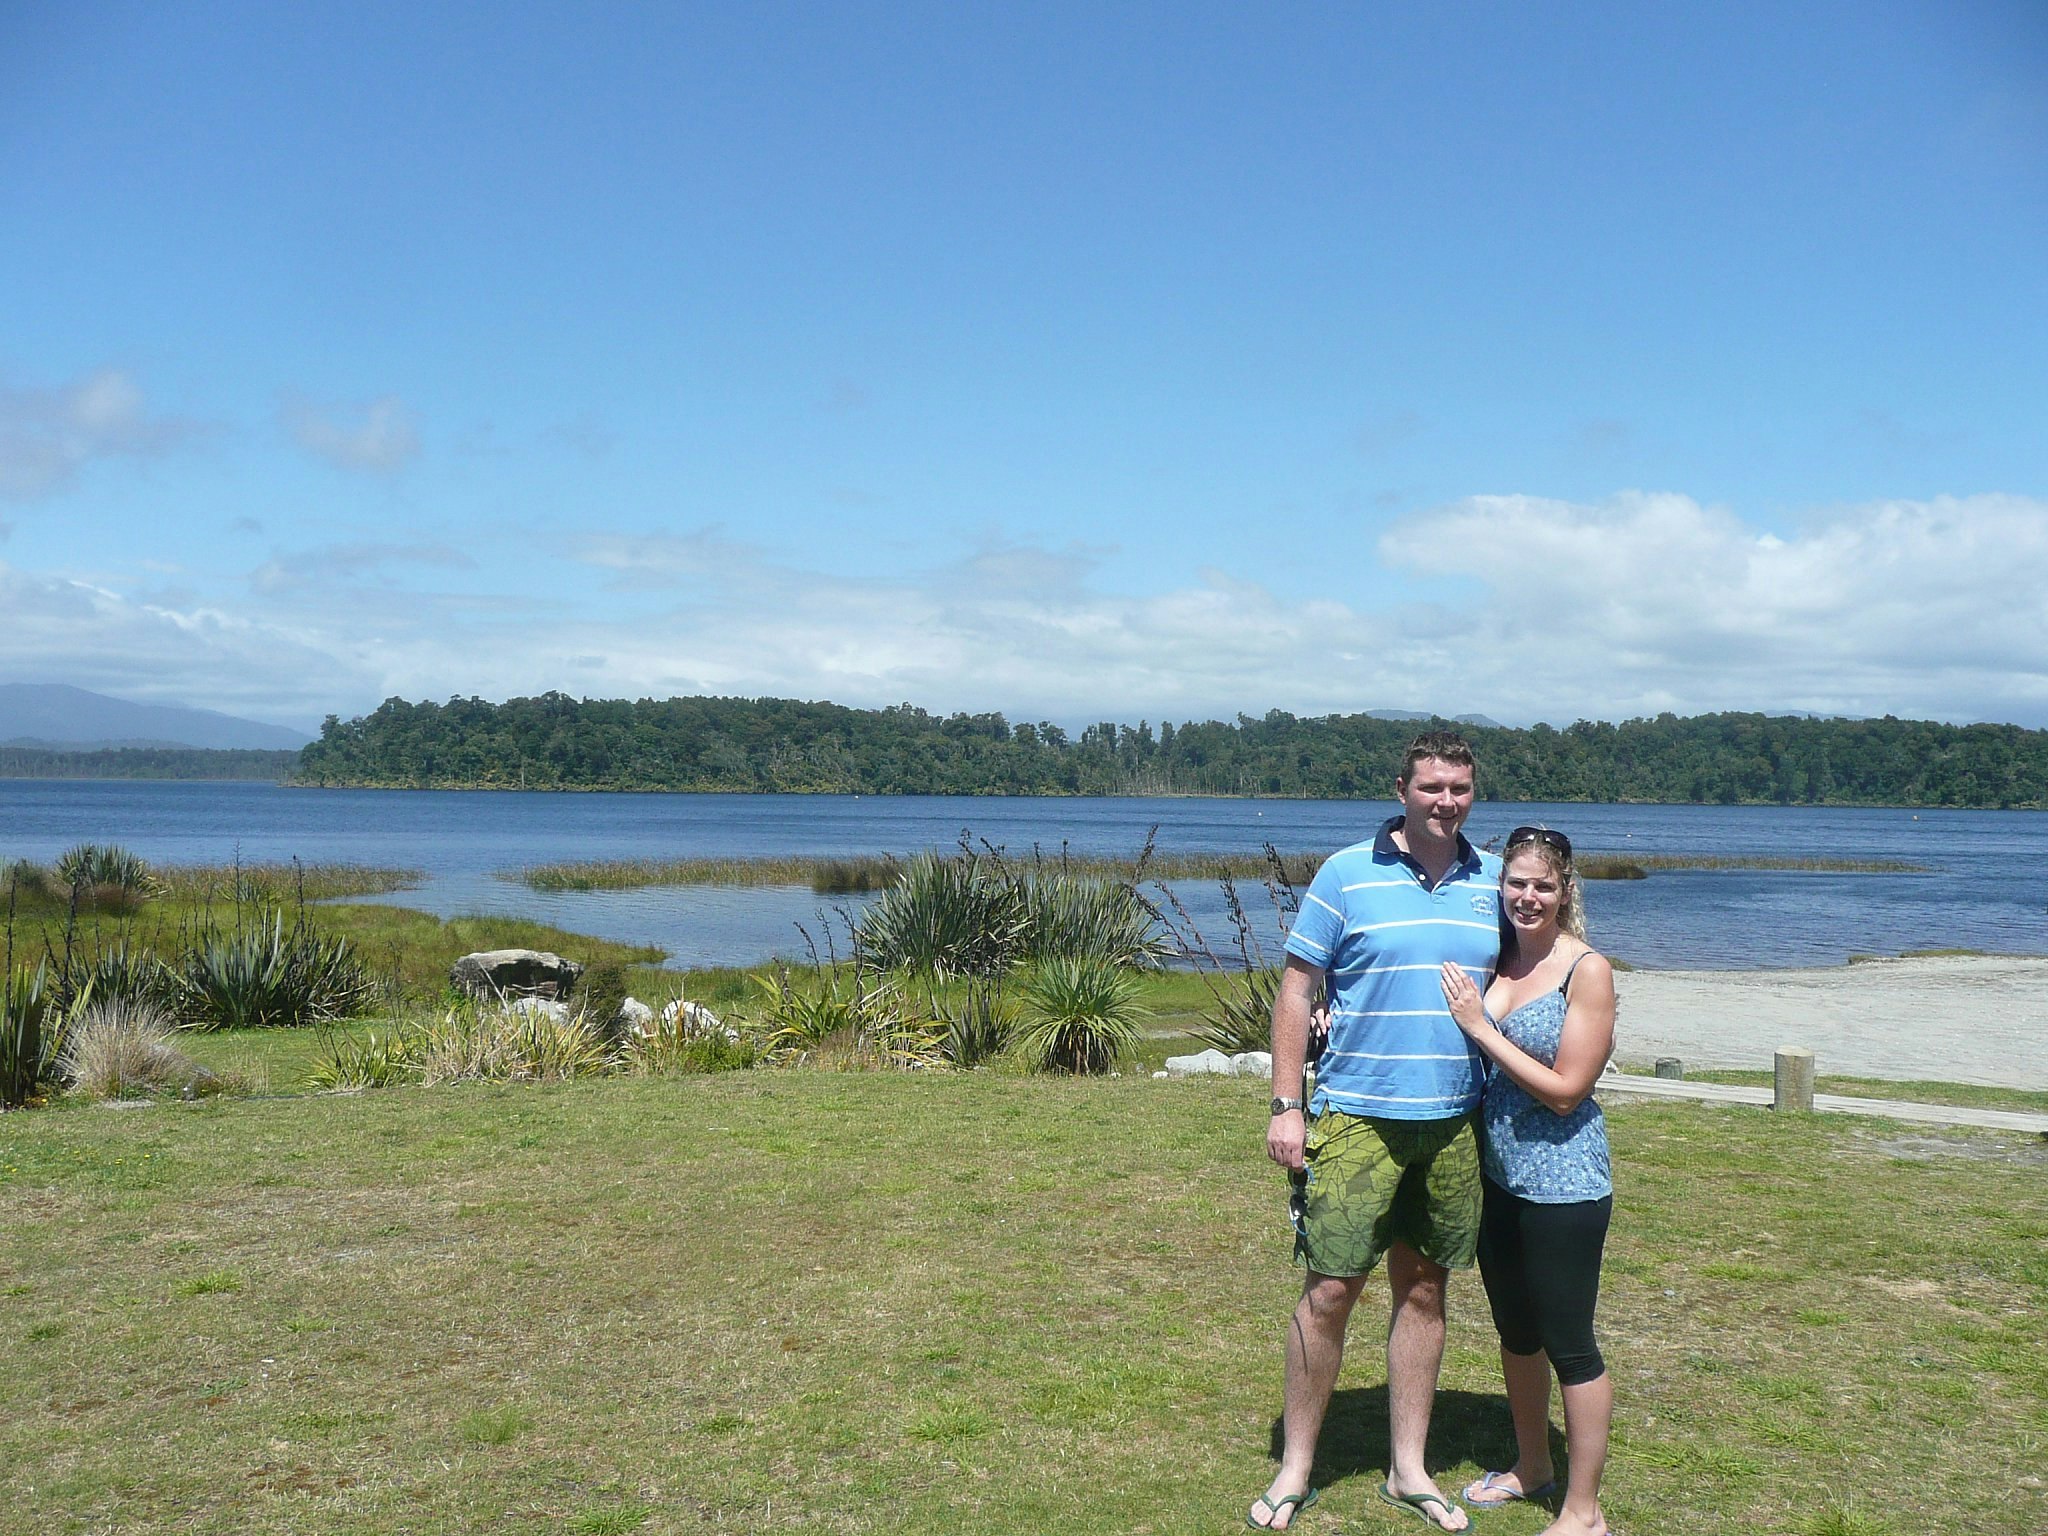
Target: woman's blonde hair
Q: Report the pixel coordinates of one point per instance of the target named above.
(1571, 908)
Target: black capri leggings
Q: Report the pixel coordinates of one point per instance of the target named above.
(1541, 1264)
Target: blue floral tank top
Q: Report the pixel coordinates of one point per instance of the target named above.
(1531, 1150)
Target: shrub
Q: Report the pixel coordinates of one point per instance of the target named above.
(977, 1021)
(601, 994)
(688, 1037)
(126, 973)
(1240, 1013)
(31, 1035)
(107, 868)
(1078, 1016)
(120, 1048)
(1071, 917)
(371, 1060)
(256, 975)
(848, 1019)
(522, 1042)
(944, 917)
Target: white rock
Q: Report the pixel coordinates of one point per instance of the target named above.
(545, 1006)
(635, 1017)
(1252, 1063)
(1205, 1062)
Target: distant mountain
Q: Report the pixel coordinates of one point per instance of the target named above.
(55, 715)
(1423, 714)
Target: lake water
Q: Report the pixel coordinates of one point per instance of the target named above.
(1985, 885)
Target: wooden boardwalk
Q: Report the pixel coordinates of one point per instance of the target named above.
(2026, 1122)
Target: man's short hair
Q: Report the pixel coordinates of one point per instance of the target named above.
(1444, 746)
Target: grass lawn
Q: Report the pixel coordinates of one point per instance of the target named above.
(943, 1303)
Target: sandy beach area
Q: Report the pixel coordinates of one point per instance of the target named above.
(1964, 1019)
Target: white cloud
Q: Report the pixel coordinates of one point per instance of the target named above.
(374, 438)
(48, 435)
(1934, 609)
(1638, 604)
(92, 637)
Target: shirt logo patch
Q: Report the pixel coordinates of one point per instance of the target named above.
(1482, 904)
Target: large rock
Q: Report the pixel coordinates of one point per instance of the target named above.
(1252, 1064)
(1200, 1064)
(515, 973)
(635, 1018)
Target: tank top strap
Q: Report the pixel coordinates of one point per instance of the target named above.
(1565, 986)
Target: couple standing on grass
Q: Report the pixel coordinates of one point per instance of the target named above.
(1456, 982)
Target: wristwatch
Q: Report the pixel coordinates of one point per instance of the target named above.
(1281, 1106)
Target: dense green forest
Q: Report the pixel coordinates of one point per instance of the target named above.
(145, 763)
(781, 745)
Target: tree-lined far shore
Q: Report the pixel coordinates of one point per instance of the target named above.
(785, 746)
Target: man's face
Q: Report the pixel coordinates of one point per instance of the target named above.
(1437, 797)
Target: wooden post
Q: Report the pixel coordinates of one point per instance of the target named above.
(1671, 1067)
(1792, 1079)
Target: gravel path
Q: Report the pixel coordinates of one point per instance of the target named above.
(1964, 1019)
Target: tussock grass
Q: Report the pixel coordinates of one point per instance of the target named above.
(121, 1048)
(960, 1304)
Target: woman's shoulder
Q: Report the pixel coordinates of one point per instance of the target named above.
(1589, 966)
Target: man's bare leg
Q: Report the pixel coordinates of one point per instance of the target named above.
(1415, 1354)
(1315, 1350)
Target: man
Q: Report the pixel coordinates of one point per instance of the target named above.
(1386, 1147)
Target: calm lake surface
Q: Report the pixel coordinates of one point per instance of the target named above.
(1985, 885)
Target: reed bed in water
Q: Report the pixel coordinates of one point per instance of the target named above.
(879, 871)
(876, 872)
(1640, 866)
(282, 882)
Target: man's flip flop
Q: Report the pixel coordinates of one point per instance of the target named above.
(1294, 1502)
(1417, 1504)
(1475, 1494)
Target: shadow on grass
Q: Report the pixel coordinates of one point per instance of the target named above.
(1466, 1429)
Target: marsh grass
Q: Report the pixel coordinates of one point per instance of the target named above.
(959, 1304)
(1639, 866)
(851, 874)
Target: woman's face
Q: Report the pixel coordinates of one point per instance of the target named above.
(1531, 892)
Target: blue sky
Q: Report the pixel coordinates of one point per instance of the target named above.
(1154, 361)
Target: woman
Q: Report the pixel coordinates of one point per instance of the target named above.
(1547, 1023)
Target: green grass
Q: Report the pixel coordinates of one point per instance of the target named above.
(939, 1302)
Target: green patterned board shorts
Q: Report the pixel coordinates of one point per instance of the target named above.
(1371, 1181)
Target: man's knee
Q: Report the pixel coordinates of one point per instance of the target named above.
(1417, 1283)
(1328, 1299)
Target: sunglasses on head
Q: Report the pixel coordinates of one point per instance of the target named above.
(1542, 835)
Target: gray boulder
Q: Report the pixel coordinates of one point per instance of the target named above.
(1252, 1064)
(1210, 1062)
(514, 973)
(635, 1018)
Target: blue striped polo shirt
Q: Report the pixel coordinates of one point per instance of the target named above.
(1381, 937)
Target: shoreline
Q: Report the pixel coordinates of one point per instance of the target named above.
(1980, 1019)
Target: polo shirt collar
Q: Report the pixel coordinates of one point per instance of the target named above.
(1384, 847)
